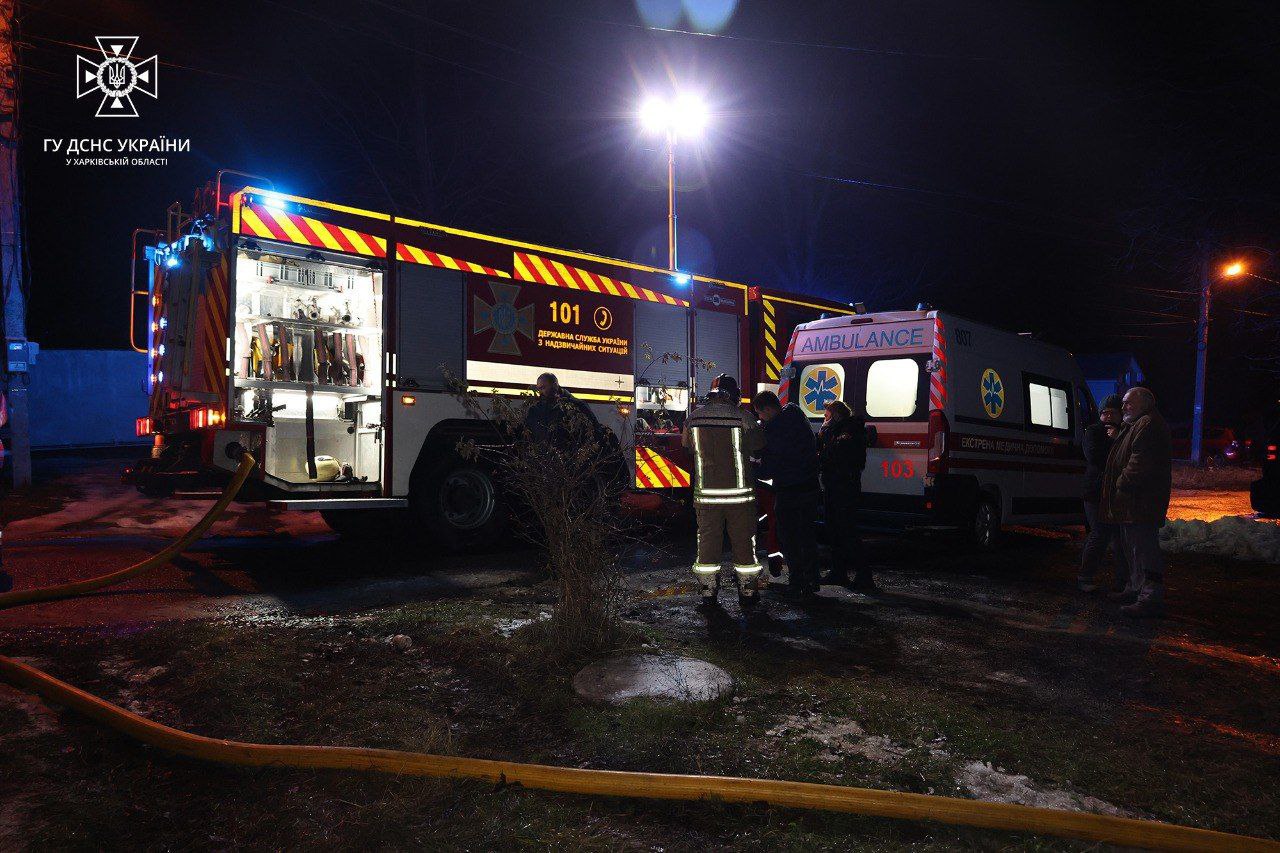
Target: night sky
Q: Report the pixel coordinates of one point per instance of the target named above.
(1043, 166)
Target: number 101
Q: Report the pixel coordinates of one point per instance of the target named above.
(563, 312)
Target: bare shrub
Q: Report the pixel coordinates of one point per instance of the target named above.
(564, 475)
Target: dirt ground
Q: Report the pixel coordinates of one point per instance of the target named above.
(973, 675)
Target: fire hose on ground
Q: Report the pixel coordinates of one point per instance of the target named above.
(1129, 832)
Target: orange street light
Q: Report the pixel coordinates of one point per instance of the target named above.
(1234, 269)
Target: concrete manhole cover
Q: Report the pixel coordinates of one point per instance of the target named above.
(667, 677)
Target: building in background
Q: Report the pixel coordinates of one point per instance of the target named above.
(87, 398)
(1110, 372)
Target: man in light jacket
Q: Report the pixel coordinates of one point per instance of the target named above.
(1135, 495)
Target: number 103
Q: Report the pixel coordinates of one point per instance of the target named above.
(898, 469)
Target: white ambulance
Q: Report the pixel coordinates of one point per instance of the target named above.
(976, 427)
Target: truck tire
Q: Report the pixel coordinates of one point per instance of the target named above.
(986, 523)
(461, 504)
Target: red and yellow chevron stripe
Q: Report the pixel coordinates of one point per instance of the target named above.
(772, 367)
(938, 379)
(212, 346)
(414, 255)
(271, 224)
(546, 271)
(655, 471)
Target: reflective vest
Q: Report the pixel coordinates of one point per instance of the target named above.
(722, 437)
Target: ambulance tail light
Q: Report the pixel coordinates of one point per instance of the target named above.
(938, 450)
(1271, 453)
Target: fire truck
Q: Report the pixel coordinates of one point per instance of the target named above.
(325, 339)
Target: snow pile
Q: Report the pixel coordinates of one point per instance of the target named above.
(988, 782)
(1231, 536)
(841, 738)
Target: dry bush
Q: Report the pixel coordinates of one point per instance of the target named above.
(564, 485)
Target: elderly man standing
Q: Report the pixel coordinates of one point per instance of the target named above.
(1135, 495)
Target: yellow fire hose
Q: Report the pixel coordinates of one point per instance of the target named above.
(662, 786)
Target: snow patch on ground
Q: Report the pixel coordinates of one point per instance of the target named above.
(990, 783)
(507, 627)
(1232, 536)
(841, 738)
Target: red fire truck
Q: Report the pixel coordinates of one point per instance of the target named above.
(320, 337)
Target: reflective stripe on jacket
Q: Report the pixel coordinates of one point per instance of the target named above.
(722, 437)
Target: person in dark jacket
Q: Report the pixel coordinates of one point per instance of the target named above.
(842, 455)
(552, 417)
(1097, 442)
(790, 460)
(1135, 495)
(546, 419)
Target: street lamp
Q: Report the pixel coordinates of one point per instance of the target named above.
(1231, 269)
(685, 116)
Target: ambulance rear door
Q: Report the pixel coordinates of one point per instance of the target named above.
(880, 369)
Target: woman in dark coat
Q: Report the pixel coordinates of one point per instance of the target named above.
(842, 454)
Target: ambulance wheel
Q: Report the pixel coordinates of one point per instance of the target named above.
(461, 504)
(986, 524)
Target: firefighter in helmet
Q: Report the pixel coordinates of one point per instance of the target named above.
(723, 437)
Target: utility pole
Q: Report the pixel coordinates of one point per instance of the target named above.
(1202, 351)
(12, 257)
(671, 201)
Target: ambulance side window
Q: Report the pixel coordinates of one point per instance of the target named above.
(1048, 404)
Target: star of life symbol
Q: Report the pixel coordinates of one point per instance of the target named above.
(820, 388)
(117, 76)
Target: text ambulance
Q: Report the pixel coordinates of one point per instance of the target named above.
(320, 337)
(975, 427)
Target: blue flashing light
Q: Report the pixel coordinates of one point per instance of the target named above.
(681, 278)
(164, 323)
(273, 200)
(172, 261)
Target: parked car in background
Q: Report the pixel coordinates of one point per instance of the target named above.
(1218, 445)
(1264, 494)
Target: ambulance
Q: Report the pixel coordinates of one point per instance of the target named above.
(321, 337)
(976, 428)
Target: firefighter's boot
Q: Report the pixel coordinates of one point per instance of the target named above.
(708, 575)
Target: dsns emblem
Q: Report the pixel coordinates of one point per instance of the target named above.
(117, 76)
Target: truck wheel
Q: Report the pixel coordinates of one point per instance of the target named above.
(986, 524)
(461, 504)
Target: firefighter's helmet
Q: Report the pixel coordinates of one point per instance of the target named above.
(726, 386)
